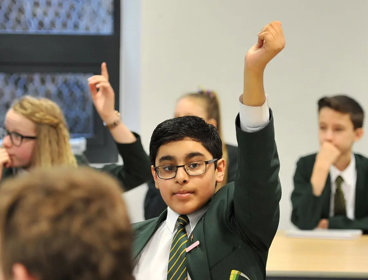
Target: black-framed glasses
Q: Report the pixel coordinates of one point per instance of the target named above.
(15, 137)
(194, 168)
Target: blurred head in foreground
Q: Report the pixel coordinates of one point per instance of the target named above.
(64, 223)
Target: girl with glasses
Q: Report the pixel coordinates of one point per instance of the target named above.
(36, 135)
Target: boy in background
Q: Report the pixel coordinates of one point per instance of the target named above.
(331, 186)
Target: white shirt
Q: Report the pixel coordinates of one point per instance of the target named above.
(152, 262)
(349, 174)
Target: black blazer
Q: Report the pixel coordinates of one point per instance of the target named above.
(153, 202)
(237, 229)
(309, 209)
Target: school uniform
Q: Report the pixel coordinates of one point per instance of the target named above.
(309, 209)
(237, 226)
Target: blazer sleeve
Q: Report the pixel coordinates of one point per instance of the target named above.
(257, 186)
(341, 222)
(232, 153)
(136, 167)
(306, 207)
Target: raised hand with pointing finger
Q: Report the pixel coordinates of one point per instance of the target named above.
(103, 97)
(136, 166)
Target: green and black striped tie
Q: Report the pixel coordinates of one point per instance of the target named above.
(177, 269)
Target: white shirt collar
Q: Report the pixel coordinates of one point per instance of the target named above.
(347, 174)
(172, 217)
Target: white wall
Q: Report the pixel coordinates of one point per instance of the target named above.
(184, 45)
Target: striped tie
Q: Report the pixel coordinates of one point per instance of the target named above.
(339, 199)
(177, 269)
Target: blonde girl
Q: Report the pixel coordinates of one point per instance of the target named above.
(36, 135)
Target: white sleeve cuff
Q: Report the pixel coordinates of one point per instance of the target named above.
(253, 118)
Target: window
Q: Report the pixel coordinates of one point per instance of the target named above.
(49, 48)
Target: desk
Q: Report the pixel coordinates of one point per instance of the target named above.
(310, 258)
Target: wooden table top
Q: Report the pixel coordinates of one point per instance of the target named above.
(291, 256)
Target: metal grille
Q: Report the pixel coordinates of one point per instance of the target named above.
(69, 90)
(74, 17)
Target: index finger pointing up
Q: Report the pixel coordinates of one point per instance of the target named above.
(104, 71)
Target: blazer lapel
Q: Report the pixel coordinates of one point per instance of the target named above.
(197, 258)
(143, 231)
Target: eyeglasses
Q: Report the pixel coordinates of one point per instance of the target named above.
(195, 168)
(15, 137)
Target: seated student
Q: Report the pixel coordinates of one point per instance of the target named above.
(37, 136)
(204, 104)
(224, 234)
(64, 223)
(331, 186)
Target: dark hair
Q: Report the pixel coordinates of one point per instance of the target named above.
(65, 223)
(192, 127)
(344, 104)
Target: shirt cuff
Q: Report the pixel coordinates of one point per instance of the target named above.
(254, 118)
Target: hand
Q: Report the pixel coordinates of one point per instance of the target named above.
(103, 95)
(270, 42)
(4, 160)
(323, 224)
(327, 154)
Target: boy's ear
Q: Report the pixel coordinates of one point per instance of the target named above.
(20, 272)
(359, 132)
(220, 168)
(154, 175)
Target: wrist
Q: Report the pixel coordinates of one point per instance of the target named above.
(322, 164)
(113, 121)
(318, 181)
